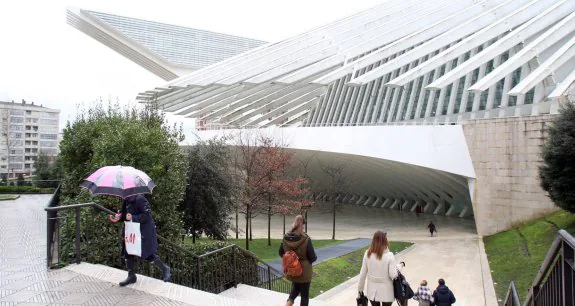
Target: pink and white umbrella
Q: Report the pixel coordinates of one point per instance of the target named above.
(119, 181)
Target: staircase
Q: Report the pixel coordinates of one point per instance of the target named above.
(243, 295)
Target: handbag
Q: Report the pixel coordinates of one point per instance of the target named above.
(133, 238)
(401, 289)
(361, 299)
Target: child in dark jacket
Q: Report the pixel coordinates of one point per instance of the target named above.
(442, 295)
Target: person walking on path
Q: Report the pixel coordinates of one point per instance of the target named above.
(424, 294)
(417, 210)
(379, 270)
(136, 208)
(431, 228)
(443, 295)
(298, 241)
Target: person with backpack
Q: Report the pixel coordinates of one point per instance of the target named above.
(298, 256)
(379, 270)
(442, 295)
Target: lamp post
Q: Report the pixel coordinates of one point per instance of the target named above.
(305, 208)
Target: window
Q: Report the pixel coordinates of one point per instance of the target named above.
(16, 158)
(17, 112)
(31, 120)
(16, 119)
(50, 151)
(17, 151)
(27, 166)
(49, 121)
(49, 136)
(49, 115)
(15, 135)
(16, 127)
(48, 129)
(17, 143)
(16, 166)
(49, 144)
(31, 135)
(28, 112)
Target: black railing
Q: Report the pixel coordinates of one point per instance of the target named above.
(512, 298)
(81, 232)
(554, 284)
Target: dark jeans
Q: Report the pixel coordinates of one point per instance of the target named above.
(374, 303)
(300, 288)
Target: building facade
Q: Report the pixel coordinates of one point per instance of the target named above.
(27, 130)
(427, 99)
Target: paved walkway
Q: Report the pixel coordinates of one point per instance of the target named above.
(24, 278)
(331, 251)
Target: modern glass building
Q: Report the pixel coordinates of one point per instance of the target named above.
(166, 50)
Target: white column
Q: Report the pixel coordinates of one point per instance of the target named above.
(406, 206)
(395, 204)
(429, 207)
(439, 209)
(386, 202)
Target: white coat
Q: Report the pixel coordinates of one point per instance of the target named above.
(379, 274)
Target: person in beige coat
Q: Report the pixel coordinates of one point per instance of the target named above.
(379, 270)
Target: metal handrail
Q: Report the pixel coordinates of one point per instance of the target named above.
(263, 274)
(556, 251)
(512, 298)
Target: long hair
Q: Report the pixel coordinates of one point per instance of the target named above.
(379, 244)
(297, 226)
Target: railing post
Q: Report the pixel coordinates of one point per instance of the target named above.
(198, 273)
(48, 241)
(235, 266)
(568, 274)
(78, 252)
(269, 278)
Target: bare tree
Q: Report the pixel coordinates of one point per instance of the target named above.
(334, 185)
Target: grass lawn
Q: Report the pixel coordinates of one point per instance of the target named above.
(335, 271)
(268, 253)
(6, 197)
(516, 255)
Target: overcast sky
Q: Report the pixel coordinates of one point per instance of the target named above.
(42, 59)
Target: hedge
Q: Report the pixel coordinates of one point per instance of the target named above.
(25, 189)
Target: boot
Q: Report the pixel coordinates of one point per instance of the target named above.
(131, 273)
(166, 271)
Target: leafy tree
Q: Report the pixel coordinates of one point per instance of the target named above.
(265, 184)
(209, 194)
(43, 169)
(558, 170)
(132, 136)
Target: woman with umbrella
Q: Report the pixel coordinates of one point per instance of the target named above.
(129, 183)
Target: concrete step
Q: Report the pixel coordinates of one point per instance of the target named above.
(179, 295)
(265, 297)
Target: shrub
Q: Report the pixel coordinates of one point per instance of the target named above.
(558, 170)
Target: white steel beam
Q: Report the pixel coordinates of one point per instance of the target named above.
(517, 36)
(563, 86)
(564, 54)
(473, 25)
(489, 32)
(533, 49)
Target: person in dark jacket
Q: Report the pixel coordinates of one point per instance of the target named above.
(431, 228)
(298, 241)
(137, 209)
(442, 296)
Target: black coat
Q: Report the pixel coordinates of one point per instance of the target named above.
(141, 212)
(442, 296)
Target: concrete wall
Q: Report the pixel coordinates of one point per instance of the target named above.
(506, 153)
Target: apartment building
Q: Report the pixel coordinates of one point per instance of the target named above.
(26, 130)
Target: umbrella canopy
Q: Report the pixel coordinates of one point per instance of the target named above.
(119, 181)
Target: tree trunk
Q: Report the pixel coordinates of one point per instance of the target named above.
(194, 238)
(247, 227)
(237, 229)
(251, 229)
(269, 225)
(333, 233)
